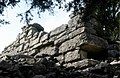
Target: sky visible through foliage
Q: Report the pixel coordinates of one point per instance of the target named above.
(8, 33)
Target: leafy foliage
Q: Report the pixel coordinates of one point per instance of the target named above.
(4, 22)
(106, 12)
(5, 3)
(41, 6)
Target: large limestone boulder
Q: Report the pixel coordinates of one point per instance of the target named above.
(95, 46)
(92, 43)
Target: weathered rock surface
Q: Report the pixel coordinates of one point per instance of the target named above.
(65, 40)
(19, 66)
(70, 51)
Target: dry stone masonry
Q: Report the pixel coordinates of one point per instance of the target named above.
(69, 43)
(73, 50)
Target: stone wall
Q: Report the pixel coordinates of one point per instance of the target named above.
(68, 43)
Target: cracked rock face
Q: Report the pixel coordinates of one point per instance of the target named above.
(62, 41)
(11, 67)
(69, 51)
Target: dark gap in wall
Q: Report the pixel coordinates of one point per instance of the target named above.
(98, 55)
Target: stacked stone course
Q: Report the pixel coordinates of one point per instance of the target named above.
(68, 43)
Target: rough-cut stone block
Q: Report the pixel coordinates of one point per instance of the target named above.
(89, 43)
(22, 35)
(36, 34)
(26, 46)
(49, 50)
(71, 29)
(41, 33)
(70, 23)
(21, 47)
(37, 45)
(62, 39)
(29, 37)
(69, 45)
(77, 32)
(60, 58)
(83, 63)
(52, 39)
(93, 43)
(36, 41)
(44, 37)
(33, 52)
(32, 30)
(58, 30)
(86, 41)
(22, 40)
(10, 54)
(72, 55)
(66, 46)
(17, 44)
(74, 21)
(80, 25)
(33, 38)
(18, 36)
(62, 34)
(46, 43)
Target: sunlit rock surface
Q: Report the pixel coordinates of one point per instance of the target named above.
(72, 50)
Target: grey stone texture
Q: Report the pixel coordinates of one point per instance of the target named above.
(72, 55)
(58, 30)
(49, 50)
(68, 43)
(83, 63)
